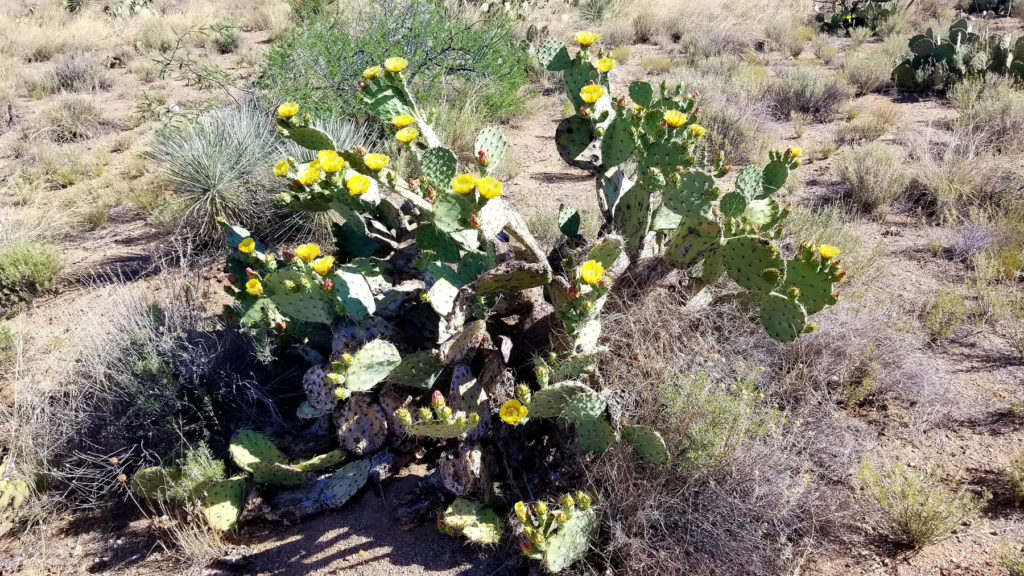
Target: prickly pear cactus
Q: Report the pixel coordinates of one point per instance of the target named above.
(438, 420)
(473, 521)
(224, 502)
(647, 442)
(461, 470)
(557, 536)
(362, 425)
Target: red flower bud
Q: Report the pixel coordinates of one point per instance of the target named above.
(437, 399)
(360, 151)
(279, 326)
(250, 273)
(328, 285)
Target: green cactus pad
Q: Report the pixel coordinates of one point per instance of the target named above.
(713, 268)
(371, 365)
(553, 55)
(439, 429)
(595, 435)
(339, 487)
(491, 141)
(572, 138)
(569, 221)
(224, 502)
(587, 337)
(606, 250)
(249, 447)
(551, 401)
(665, 219)
(13, 493)
(641, 93)
(438, 166)
(451, 212)
(693, 195)
(299, 303)
(477, 523)
(353, 293)
(632, 216)
(584, 407)
(306, 411)
(647, 442)
(733, 205)
(572, 541)
(155, 482)
(277, 474)
(762, 213)
(814, 281)
(773, 178)
(579, 74)
(442, 295)
(362, 425)
(617, 144)
(322, 461)
(464, 345)
(309, 138)
(782, 317)
(693, 240)
(748, 182)
(747, 257)
(492, 218)
(512, 276)
(387, 101)
(417, 370)
(444, 248)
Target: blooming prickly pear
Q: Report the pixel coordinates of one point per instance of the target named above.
(567, 501)
(328, 285)
(437, 399)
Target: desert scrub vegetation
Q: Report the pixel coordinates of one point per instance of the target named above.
(808, 90)
(943, 314)
(918, 508)
(448, 52)
(876, 175)
(27, 269)
(1015, 478)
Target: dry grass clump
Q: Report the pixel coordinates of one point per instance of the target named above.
(815, 91)
(991, 115)
(80, 72)
(876, 175)
(868, 69)
(71, 119)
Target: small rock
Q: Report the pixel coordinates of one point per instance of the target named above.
(892, 231)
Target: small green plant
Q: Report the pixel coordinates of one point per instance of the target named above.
(557, 536)
(27, 269)
(8, 348)
(943, 314)
(657, 64)
(917, 508)
(1015, 477)
(817, 92)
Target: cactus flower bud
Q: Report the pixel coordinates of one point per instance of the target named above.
(426, 415)
(793, 292)
(341, 393)
(562, 517)
(584, 111)
(474, 221)
(361, 85)
(474, 419)
(521, 512)
(482, 158)
(460, 420)
(250, 273)
(537, 537)
(437, 399)
(288, 285)
(587, 306)
(540, 508)
(360, 151)
(523, 393)
(583, 500)
(567, 501)
(346, 359)
(231, 278)
(542, 371)
(445, 412)
(811, 327)
(335, 378)
(280, 326)
(403, 416)
(328, 285)
(526, 547)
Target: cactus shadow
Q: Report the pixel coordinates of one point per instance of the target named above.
(365, 537)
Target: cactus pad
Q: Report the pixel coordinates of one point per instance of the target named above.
(647, 442)
(224, 502)
(491, 141)
(309, 138)
(477, 523)
(461, 471)
(371, 365)
(451, 212)
(362, 425)
(439, 166)
(417, 370)
(617, 144)
(641, 93)
(693, 240)
(319, 392)
(748, 259)
(512, 276)
(606, 250)
(782, 317)
(154, 483)
(339, 487)
(693, 195)
(276, 474)
(572, 540)
(572, 139)
(439, 429)
(813, 279)
(553, 55)
(551, 401)
(299, 303)
(249, 447)
(387, 101)
(733, 205)
(774, 177)
(321, 462)
(748, 182)
(353, 294)
(632, 216)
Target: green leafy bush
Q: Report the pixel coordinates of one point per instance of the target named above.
(318, 61)
(26, 269)
(943, 314)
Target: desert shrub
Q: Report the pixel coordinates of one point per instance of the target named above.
(446, 53)
(917, 508)
(224, 38)
(824, 48)
(991, 115)
(27, 269)
(876, 174)
(595, 11)
(80, 72)
(943, 314)
(1015, 477)
(219, 169)
(867, 70)
(645, 27)
(858, 36)
(657, 64)
(8, 349)
(818, 92)
(71, 119)
(1013, 563)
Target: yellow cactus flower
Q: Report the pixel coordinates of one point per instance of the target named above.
(591, 93)
(512, 412)
(604, 65)
(281, 168)
(322, 266)
(794, 152)
(407, 135)
(591, 271)
(247, 246)
(489, 187)
(357, 184)
(288, 109)
(697, 130)
(674, 118)
(332, 164)
(310, 176)
(307, 252)
(396, 64)
(376, 162)
(371, 72)
(326, 154)
(254, 287)
(828, 251)
(402, 121)
(586, 38)
(464, 183)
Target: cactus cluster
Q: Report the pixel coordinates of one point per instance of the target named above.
(844, 15)
(473, 521)
(665, 197)
(557, 535)
(938, 62)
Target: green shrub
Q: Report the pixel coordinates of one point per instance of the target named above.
(991, 115)
(917, 508)
(943, 313)
(867, 70)
(876, 174)
(817, 92)
(446, 52)
(1015, 476)
(8, 348)
(31, 266)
